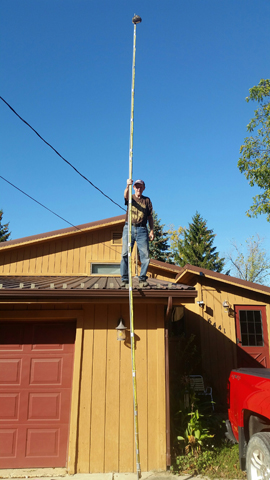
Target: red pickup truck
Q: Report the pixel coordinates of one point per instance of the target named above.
(249, 419)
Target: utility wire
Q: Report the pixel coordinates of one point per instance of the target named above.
(49, 145)
(38, 202)
(29, 196)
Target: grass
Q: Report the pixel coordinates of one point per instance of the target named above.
(216, 462)
(198, 441)
(215, 456)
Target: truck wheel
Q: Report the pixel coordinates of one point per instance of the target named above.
(258, 457)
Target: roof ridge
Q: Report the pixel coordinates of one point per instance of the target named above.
(63, 231)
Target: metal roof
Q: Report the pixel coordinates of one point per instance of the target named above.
(169, 267)
(189, 272)
(36, 286)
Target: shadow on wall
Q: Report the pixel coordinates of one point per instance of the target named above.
(203, 349)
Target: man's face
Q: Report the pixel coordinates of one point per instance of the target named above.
(138, 189)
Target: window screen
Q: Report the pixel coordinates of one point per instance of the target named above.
(105, 268)
(251, 328)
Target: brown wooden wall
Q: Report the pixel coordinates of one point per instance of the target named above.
(106, 431)
(217, 328)
(63, 256)
(101, 423)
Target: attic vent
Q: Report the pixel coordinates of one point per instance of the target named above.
(117, 238)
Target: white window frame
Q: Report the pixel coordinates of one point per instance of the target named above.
(105, 274)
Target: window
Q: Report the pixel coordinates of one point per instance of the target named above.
(251, 328)
(105, 268)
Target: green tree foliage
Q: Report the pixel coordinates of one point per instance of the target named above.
(4, 233)
(196, 246)
(159, 248)
(255, 152)
(252, 263)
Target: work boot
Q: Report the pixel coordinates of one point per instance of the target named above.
(124, 283)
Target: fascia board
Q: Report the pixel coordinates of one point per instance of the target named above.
(33, 241)
(230, 280)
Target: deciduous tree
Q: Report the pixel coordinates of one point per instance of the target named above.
(251, 263)
(255, 152)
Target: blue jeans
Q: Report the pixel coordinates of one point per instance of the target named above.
(140, 236)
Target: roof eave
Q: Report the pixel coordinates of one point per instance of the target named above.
(165, 266)
(83, 294)
(180, 278)
(56, 234)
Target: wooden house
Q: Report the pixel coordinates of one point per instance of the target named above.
(230, 318)
(66, 382)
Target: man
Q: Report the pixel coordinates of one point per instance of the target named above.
(141, 213)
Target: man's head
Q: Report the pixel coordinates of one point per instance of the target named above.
(139, 187)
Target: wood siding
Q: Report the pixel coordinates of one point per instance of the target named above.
(101, 422)
(101, 427)
(217, 328)
(64, 256)
(106, 423)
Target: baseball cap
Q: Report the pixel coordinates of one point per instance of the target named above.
(139, 182)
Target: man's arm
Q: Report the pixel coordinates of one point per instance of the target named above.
(151, 225)
(129, 182)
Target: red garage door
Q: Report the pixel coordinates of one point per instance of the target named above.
(36, 364)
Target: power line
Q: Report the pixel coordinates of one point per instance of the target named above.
(29, 196)
(49, 145)
(38, 202)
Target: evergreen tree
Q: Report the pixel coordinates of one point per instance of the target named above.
(4, 233)
(159, 248)
(196, 247)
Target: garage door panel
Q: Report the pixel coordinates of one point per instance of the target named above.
(42, 442)
(10, 371)
(52, 337)
(46, 371)
(8, 444)
(48, 406)
(44, 406)
(35, 397)
(12, 336)
(67, 368)
(9, 406)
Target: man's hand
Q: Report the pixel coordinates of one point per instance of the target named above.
(151, 235)
(129, 182)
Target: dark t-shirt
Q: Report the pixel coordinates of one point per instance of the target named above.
(141, 209)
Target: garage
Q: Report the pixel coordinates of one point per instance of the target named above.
(86, 423)
(36, 365)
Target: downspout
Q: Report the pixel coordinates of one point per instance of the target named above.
(167, 383)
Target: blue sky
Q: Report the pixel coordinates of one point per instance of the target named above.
(66, 69)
